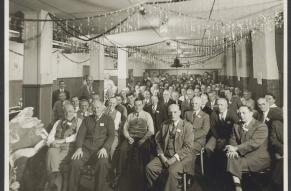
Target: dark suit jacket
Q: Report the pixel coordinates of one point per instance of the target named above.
(185, 106)
(223, 129)
(184, 138)
(94, 135)
(85, 93)
(159, 116)
(234, 103)
(206, 109)
(166, 105)
(277, 137)
(274, 114)
(252, 144)
(55, 96)
(215, 107)
(201, 126)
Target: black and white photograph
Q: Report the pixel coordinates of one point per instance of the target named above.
(146, 95)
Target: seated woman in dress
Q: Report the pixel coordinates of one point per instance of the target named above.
(61, 146)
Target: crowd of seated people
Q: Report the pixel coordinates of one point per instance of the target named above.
(157, 126)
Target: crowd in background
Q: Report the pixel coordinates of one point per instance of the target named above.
(237, 132)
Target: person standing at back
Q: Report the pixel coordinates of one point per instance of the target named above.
(55, 95)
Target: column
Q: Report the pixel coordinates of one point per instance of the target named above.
(97, 66)
(122, 65)
(37, 68)
(231, 65)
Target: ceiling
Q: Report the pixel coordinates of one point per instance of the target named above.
(149, 29)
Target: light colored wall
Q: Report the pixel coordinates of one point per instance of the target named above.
(15, 61)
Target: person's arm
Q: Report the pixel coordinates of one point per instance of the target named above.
(110, 134)
(158, 139)
(150, 124)
(51, 136)
(117, 120)
(125, 128)
(73, 137)
(275, 141)
(81, 134)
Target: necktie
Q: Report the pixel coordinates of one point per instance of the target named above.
(244, 127)
(154, 108)
(221, 117)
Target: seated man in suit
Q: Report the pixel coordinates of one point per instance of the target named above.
(271, 99)
(158, 113)
(174, 148)
(76, 103)
(248, 147)
(221, 124)
(58, 109)
(93, 143)
(233, 102)
(55, 95)
(166, 101)
(200, 124)
(84, 109)
(268, 115)
(175, 98)
(212, 103)
(186, 104)
(61, 142)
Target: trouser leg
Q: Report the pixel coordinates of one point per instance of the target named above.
(101, 174)
(173, 176)
(153, 171)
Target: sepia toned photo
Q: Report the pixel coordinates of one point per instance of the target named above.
(146, 95)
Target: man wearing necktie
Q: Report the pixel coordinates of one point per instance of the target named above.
(158, 113)
(174, 148)
(93, 144)
(55, 95)
(268, 115)
(201, 125)
(167, 100)
(248, 147)
(87, 90)
(186, 104)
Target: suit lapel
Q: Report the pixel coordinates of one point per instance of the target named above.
(178, 130)
(250, 128)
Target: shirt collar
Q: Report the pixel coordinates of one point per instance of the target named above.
(97, 118)
(176, 123)
(266, 112)
(272, 106)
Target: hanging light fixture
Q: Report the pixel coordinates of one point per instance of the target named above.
(177, 63)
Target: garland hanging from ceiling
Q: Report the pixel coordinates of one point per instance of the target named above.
(86, 30)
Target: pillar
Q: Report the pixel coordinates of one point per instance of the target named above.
(265, 62)
(97, 66)
(231, 65)
(37, 67)
(122, 65)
